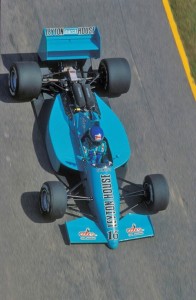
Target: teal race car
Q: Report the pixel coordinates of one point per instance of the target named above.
(70, 99)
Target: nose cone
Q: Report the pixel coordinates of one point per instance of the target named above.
(113, 244)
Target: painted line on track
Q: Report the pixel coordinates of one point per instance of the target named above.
(180, 46)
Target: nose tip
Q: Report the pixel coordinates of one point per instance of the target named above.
(113, 244)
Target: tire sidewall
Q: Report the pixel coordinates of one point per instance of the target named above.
(156, 192)
(115, 76)
(28, 80)
(56, 192)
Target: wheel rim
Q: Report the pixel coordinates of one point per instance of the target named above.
(45, 201)
(13, 81)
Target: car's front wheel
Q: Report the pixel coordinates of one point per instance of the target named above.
(25, 80)
(53, 199)
(156, 192)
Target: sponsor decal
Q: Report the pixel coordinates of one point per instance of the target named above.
(68, 31)
(110, 214)
(86, 30)
(112, 235)
(106, 187)
(54, 31)
(134, 230)
(109, 205)
(87, 235)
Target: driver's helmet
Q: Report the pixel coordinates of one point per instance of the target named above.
(96, 134)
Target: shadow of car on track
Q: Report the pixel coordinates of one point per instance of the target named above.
(64, 234)
(40, 151)
(134, 203)
(4, 92)
(30, 205)
(8, 60)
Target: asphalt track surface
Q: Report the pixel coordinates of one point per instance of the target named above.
(159, 114)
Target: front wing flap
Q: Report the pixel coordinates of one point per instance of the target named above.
(85, 231)
(134, 226)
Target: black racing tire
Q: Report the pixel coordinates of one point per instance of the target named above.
(156, 192)
(53, 199)
(25, 80)
(115, 76)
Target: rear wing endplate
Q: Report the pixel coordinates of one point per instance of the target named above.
(69, 43)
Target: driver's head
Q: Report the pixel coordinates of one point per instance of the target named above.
(96, 134)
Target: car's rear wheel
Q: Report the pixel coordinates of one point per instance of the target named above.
(156, 191)
(115, 76)
(25, 80)
(53, 199)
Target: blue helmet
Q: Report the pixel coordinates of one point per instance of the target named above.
(96, 134)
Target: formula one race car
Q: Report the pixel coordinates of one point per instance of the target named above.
(80, 135)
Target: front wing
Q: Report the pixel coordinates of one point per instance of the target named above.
(132, 226)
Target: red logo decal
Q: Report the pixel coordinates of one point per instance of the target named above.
(134, 230)
(87, 235)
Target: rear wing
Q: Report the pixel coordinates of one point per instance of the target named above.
(69, 43)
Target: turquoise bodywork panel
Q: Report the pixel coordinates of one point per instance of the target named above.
(115, 133)
(85, 231)
(61, 143)
(134, 226)
(63, 136)
(106, 201)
